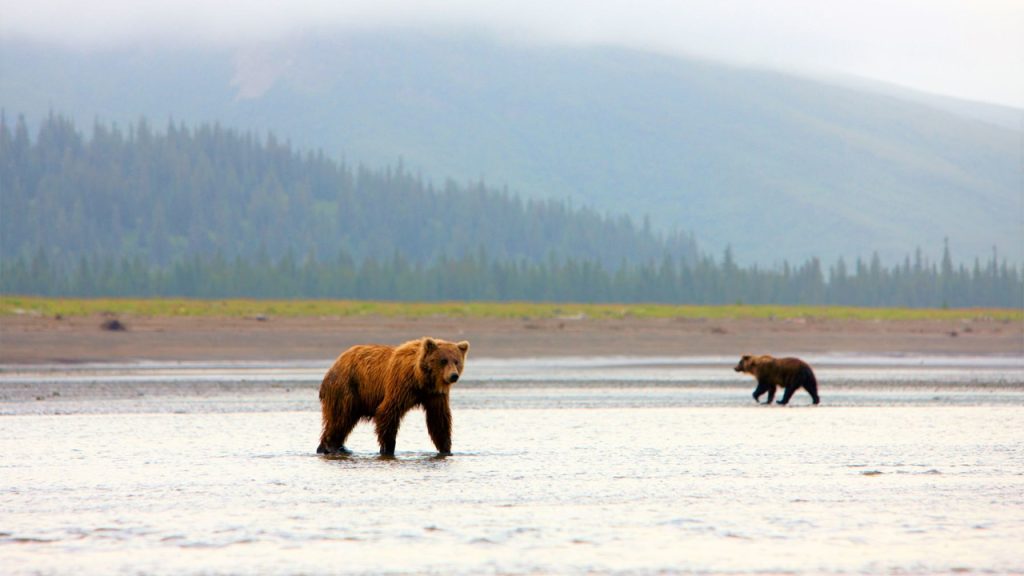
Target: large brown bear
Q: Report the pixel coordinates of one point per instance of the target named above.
(771, 373)
(382, 383)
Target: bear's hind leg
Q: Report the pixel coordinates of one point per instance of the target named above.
(387, 420)
(812, 389)
(332, 441)
(340, 417)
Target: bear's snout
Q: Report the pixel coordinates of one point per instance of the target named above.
(453, 378)
(739, 368)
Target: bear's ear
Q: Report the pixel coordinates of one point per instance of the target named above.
(464, 346)
(429, 345)
(745, 358)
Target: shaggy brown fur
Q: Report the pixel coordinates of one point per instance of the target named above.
(382, 383)
(772, 373)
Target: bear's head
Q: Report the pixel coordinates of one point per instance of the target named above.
(442, 362)
(750, 363)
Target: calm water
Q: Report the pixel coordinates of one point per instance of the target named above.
(570, 466)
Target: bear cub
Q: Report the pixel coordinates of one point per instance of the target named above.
(382, 383)
(772, 373)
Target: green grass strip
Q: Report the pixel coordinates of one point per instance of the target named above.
(239, 308)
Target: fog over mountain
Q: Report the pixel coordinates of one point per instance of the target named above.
(970, 50)
(778, 166)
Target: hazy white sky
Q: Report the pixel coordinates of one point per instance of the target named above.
(968, 48)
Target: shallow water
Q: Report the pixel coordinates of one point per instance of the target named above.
(911, 465)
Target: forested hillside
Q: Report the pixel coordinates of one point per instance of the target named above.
(780, 167)
(916, 283)
(164, 195)
(216, 213)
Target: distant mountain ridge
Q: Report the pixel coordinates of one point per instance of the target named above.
(776, 166)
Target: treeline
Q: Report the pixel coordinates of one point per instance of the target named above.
(166, 196)
(215, 213)
(915, 283)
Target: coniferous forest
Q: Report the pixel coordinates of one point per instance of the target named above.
(212, 212)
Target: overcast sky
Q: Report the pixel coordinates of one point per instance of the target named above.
(967, 48)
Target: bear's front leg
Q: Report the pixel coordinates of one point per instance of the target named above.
(439, 422)
(770, 387)
(759, 391)
(790, 389)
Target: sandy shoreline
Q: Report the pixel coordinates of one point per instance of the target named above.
(30, 343)
(33, 340)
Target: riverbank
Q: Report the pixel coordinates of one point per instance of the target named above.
(31, 338)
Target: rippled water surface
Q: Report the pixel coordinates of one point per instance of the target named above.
(909, 465)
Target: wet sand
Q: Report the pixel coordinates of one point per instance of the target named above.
(33, 340)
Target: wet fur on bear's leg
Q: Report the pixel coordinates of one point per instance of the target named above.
(762, 388)
(790, 389)
(333, 440)
(339, 413)
(387, 421)
(757, 394)
(810, 383)
(771, 390)
(439, 422)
